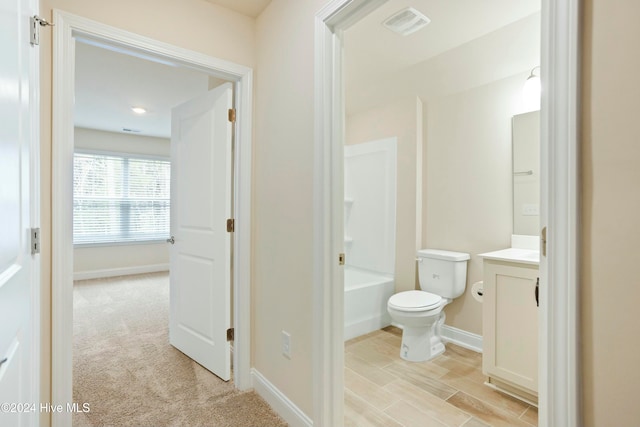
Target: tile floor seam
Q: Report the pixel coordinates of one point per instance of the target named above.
(366, 379)
(375, 353)
(501, 413)
(430, 416)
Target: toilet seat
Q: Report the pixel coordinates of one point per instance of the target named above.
(414, 301)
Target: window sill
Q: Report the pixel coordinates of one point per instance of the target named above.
(130, 243)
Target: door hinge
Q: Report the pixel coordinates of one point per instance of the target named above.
(341, 259)
(35, 22)
(543, 241)
(35, 241)
(232, 115)
(231, 225)
(231, 332)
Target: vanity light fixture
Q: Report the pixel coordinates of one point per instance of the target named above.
(138, 110)
(531, 91)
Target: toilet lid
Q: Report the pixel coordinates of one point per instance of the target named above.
(414, 301)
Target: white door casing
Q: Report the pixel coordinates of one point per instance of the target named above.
(19, 195)
(200, 257)
(559, 398)
(67, 27)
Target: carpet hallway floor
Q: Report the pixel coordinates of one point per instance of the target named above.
(129, 375)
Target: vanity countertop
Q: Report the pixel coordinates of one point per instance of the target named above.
(524, 256)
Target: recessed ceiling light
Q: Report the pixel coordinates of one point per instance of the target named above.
(406, 21)
(138, 110)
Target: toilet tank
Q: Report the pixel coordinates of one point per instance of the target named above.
(442, 273)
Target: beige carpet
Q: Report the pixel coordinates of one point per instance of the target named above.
(129, 374)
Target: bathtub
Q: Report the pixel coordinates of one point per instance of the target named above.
(365, 301)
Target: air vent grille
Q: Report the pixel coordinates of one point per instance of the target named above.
(406, 21)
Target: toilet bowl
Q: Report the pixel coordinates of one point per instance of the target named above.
(418, 312)
(442, 276)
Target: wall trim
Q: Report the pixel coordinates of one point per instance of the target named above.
(68, 28)
(559, 361)
(121, 271)
(462, 338)
(279, 402)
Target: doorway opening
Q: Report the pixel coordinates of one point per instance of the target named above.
(447, 94)
(69, 30)
(558, 361)
(128, 184)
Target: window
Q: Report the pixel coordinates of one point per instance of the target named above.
(119, 199)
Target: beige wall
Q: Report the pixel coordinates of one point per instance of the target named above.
(283, 190)
(610, 288)
(402, 119)
(283, 165)
(191, 24)
(101, 259)
(497, 55)
(467, 181)
(98, 258)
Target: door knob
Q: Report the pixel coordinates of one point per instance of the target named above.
(172, 240)
(3, 361)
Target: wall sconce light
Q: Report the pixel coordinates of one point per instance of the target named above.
(531, 91)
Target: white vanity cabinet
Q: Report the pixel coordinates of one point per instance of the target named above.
(510, 327)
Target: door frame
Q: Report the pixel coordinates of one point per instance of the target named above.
(68, 28)
(559, 361)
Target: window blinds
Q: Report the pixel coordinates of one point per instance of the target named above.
(119, 199)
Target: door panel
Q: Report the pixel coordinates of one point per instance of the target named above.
(200, 258)
(18, 284)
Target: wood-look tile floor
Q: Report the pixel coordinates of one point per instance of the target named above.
(383, 390)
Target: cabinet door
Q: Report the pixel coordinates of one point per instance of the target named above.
(510, 324)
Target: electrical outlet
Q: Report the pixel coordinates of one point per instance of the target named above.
(286, 344)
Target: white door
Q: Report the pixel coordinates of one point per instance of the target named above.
(19, 287)
(200, 258)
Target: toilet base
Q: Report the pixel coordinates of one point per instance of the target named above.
(419, 344)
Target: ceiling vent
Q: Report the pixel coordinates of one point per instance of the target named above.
(406, 22)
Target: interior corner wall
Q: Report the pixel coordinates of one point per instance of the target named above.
(104, 260)
(282, 293)
(468, 181)
(191, 24)
(608, 284)
(401, 119)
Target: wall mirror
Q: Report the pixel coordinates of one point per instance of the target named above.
(526, 173)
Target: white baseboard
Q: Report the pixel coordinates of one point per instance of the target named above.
(123, 271)
(279, 402)
(462, 338)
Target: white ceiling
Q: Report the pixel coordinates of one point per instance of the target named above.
(251, 8)
(109, 83)
(374, 52)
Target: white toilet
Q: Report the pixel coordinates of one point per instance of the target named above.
(443, 277)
